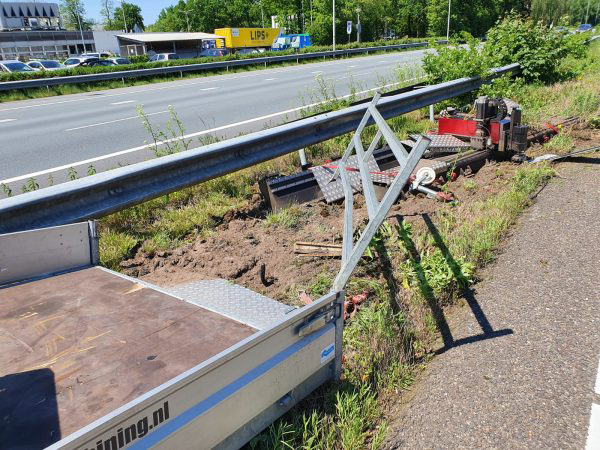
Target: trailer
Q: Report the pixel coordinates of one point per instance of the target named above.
(238, 38)
(93, 359)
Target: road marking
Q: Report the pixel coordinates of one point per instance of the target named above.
(316, 72)
(114, 121)
(208, 89)
(7, 120)
(193, 83)
(270, 79)
(123, 102)
(351, 66)
(187, 136)
(360, 74)
(593, 437)
(597, 386)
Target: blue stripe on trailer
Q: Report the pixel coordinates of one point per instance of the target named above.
(200, 408)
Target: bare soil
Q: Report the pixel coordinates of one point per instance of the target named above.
(243, 243)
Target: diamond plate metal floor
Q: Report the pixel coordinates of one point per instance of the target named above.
(233, 301)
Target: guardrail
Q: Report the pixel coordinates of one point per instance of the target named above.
(101, 194)
(121, 75)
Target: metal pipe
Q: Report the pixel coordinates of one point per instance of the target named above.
(448, 29)
(333, 24)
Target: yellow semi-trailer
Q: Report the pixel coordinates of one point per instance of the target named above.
(237, 38)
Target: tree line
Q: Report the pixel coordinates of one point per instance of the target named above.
(379, 19)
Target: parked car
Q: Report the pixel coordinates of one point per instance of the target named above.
(96, 55)
(583, 28)
(45, 65)
(560, 29)
(163, 57)
(98, 62)
(76, 61)
(119, 60)
(12, 65)
(215, 52)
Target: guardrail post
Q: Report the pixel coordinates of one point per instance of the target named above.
(181, 73)
(123, 80)
(303, 162)
(431, 118)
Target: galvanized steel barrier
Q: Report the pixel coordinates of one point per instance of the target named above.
(57, 81)
(101, 194)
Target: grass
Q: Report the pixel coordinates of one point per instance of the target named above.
(287, 218)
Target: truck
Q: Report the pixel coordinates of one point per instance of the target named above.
(94, 359)
(235, 39)
(285, 41)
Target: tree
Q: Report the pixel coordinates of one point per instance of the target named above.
(73, 15)
(128, 20)
(107, 12)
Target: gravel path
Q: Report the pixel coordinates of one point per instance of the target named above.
(531, 384)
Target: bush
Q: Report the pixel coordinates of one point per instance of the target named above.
(538, 49)
(455, 61)
(138, 58)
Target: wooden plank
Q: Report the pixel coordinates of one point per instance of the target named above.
(93, 341)
(317, 249)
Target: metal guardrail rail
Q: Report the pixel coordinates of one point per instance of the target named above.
(121, 75)
(101, 194)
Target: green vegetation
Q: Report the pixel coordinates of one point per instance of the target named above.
(287, 218)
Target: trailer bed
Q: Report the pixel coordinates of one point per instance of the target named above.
(79, 345)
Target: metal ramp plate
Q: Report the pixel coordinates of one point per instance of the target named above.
(333, 191)
(444, 143)
(233, 301)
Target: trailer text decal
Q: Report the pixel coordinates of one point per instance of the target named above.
(126, 435)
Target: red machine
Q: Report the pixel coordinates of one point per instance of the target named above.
(496, 125)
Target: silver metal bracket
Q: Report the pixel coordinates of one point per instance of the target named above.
(351, 253)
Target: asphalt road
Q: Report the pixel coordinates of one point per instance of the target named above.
(521, 370)
(38, 135)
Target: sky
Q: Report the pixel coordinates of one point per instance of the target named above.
(150, 8)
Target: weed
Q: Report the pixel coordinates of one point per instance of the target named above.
(470, 185)
(287, 218)
(72, 174)
(114, 247)
(91, 170)
(7, 190)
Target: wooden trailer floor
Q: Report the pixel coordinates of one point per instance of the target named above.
(76, 346)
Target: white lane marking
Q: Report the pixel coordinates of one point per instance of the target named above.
(213, 79)
(187, 136)
(7, 120)
(208, 89)
(351, 66)
(270, 79)
(597, 386)
(114, 121)
(593, 437)
(360, 74)
(123, 102)
(317, 72)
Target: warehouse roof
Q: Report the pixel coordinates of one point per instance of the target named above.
(161, 37)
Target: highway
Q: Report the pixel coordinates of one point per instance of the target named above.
(103, 129)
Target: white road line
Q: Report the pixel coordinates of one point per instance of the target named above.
(213, 79)
(187, 136)
(351, 66)
(123, 102)
(114, 121)
(269, 79)
(593, 437)
(7, 120)
(360, 74)
(208, 89)
(597, 386)
(317, 71)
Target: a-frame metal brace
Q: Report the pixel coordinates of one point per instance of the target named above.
(351, 253)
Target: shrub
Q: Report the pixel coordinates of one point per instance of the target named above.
(538, 49)
(455, 61)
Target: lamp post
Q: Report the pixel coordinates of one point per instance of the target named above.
(358, 29)
(124, 20)
(333, 25)
(80, 28)
(448, 29)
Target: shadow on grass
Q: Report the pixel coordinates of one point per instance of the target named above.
(437, 311)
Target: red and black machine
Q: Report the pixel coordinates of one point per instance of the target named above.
(496, 126)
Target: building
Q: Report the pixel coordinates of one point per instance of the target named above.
(186, 45)
(106, 41)
(35, 30)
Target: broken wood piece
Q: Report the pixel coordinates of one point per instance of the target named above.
(318, 249)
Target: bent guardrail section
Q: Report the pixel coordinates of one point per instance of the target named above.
(101, 194)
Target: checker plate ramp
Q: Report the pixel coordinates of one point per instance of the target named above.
(233, 301)
(334, 191)
(444, 143)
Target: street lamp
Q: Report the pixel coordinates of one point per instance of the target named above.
(448, 29)
(124, 20)
(334, 25)
(358, 30)
(80, 28)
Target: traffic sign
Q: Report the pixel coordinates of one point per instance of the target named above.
(349, 27)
